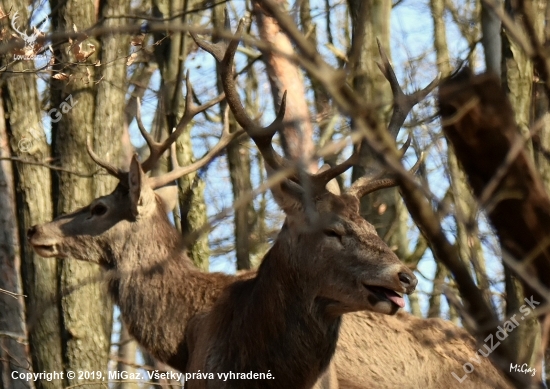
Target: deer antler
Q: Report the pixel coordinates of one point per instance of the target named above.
(191, 110)
(224, 53)
(121, 175)
(402, 105)
(369, 182)
(158, 148)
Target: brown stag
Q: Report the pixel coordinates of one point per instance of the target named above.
(288, 315)
(285, 319)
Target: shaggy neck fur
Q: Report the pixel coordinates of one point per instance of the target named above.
(272, 323)
(158, 289)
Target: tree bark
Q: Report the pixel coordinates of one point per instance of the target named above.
(517, 77)
(297, 139)
(110, 119)
(238, 160)
(170, 56)
(23, 122)
(491, 39)
(14, 351)
(85, 320)
(371, 21)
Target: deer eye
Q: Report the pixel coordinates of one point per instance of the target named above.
(332, 234)
(98, 210)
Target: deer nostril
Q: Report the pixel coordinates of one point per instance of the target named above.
(408, 280)
(30, 232)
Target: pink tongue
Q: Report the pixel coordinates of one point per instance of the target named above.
(398, 300)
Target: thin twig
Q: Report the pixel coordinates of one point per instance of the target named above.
(52, 167)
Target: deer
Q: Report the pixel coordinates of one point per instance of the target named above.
(303, 312)
(167, 303)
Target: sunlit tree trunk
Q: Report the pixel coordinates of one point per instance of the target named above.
(86, 315)
(370, 21)
(14, 351)
(286, 76)
(23, 123)
(517, 80)
(238, 161)
(110, 122)
(465, 206)
(170, 56)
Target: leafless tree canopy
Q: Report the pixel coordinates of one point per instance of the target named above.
(317, 160)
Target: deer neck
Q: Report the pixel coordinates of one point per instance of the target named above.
(158, 290)
(273, 322)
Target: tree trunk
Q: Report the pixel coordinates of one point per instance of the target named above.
(109, 119)
(14, 351)
(170, 56)
(23, 122)
(297, 139)
(85, 319)
(491, 39)
(518, 81)
(465, 206)
(370, 21)
(238, 160)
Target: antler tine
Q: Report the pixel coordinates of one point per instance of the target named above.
(179, 171)
(224, 53)
(217, 50)
(323, 177)
(173, 157)
(402, 103)
(147, 136)
(368, 184)
(191, 110)
(405, 146)
(113, 171)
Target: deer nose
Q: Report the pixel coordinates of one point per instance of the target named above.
(30, 232)
(408, 281)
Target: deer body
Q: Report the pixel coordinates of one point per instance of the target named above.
(163, 299)
(285, 319)
(270, 304)
(327, 261)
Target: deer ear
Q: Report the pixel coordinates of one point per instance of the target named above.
(168, 196)
(137, 187)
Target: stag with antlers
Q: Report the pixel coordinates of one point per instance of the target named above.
(326, 261)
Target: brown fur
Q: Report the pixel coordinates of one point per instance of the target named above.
(165, 301)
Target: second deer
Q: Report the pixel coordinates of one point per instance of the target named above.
(284, 321)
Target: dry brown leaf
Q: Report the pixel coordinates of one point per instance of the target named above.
(131, 59)
(61, 76)
(82, 55)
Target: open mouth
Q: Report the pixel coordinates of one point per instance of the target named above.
(385, 294)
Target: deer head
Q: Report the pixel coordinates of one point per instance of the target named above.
(324, 232)
(136, 209)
